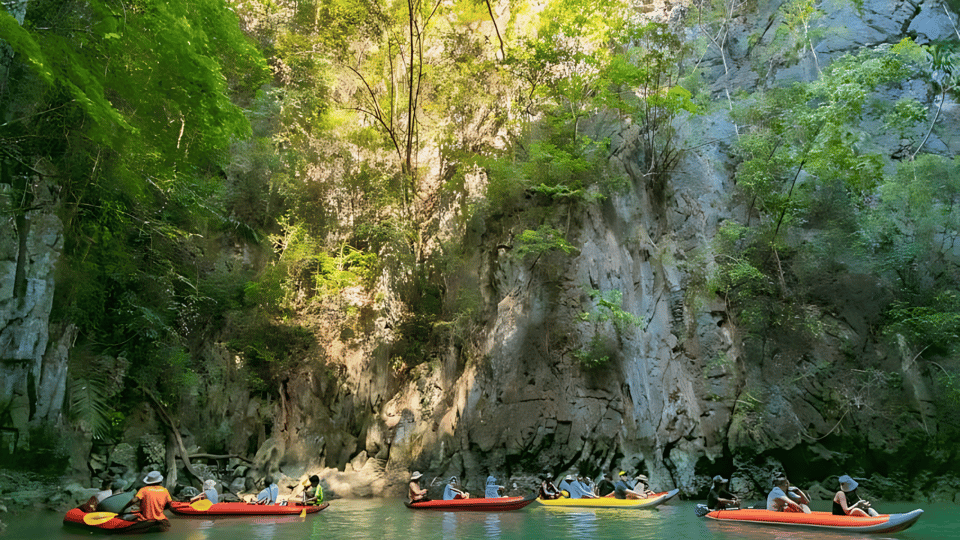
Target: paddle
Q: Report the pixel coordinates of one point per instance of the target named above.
(303, 513)
(201, 505)
(98, 518)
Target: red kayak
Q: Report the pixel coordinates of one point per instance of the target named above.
(501, 504)
(243, 509)
(884, 523)
(110, 523)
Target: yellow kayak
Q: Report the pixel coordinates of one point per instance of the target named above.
(611, 502)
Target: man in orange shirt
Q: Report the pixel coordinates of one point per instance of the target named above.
(152, 498)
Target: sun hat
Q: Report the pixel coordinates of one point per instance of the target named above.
(719, 480)
(643, 478)
(153, 477)
(847, 483)
(623, 473)
(568, 478)
(416, 475)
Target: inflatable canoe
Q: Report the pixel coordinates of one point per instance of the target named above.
(109, 522)
(884, 523)
(611, 502)
(242, 509)
(500, 504)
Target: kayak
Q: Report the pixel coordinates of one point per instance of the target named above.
(500, 504)
(884, 523)
(243, 509)
(110, 523)
(611, 502)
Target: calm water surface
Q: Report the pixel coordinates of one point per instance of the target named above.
(389, 519)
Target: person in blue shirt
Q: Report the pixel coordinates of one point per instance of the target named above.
(209, 492)
(587, 486)
(621, 489)
(453, 491)
(786, 498)
(492, 489)
(269, 494)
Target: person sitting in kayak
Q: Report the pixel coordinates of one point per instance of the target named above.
(621, 489)
(492, 490)
(575, 489)
(786, 498)
(152, 499)
(847, 503)
(209, 492)
(269, 494)
(106, 490)
(642, 486)
(605, 486)
(547, 489)
(416, 493)
(313, 494)
(452, 490)
(567, 489)
(719, 498)
(587, 485)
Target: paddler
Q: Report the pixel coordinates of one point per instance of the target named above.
(313, 492)
(492, 490)
(847, 503)
(719, 498)
(786, 498)
(416, 493)
(453, 491)
(152, 499)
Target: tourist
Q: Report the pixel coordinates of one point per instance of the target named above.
(152, 499)
(269, 494)
(587, 485)
(567, 489)
(786, 498)
(621, 489)
(847, 503)
(492, 490)
(415, 492)
(106, 490)
(547, 489)
(453, 491)
(719, 498)
(605, 487)
(313, 492)
(209, 492)
(642, 486)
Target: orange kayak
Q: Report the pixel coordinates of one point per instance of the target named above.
(884, 523)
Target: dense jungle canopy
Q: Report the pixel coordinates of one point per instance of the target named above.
(232, 171)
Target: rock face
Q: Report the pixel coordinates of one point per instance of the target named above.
(33, 356)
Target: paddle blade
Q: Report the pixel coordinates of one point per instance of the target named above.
(303, 513)
(98, 518)
(202, 505)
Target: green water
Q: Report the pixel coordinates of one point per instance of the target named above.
(389, 519)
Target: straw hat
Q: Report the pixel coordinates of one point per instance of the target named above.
(416, 475)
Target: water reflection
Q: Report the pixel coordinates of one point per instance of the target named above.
(449, 525)
(493, 525)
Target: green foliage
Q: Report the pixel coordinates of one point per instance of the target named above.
(541, 241)
(607, 308)
(269, 351)
(89, 405)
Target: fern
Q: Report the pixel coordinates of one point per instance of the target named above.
(89, 405)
